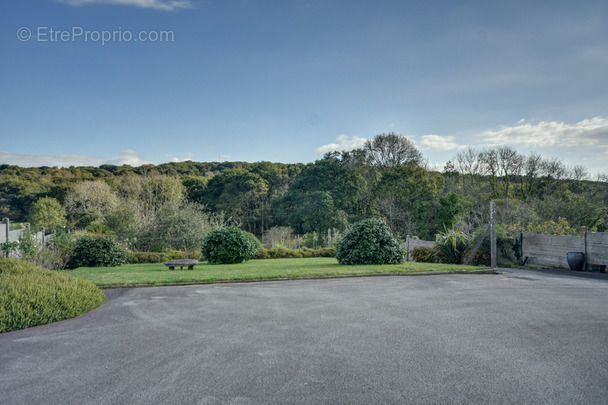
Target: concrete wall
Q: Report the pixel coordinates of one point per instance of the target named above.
(547, 250)
(551, 250)
(597, 248)
(14, 235)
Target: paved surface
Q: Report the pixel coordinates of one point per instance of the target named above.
(522, 337)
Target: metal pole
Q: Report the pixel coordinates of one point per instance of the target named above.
(493, 258)
(299, 248)
(7, 222)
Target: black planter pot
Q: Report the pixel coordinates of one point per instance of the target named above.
(576, 260)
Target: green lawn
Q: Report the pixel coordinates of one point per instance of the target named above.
(157, 273)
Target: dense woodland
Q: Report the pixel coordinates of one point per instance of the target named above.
(388, 179)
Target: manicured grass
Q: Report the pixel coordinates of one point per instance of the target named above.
(31, 295)
(157, 273)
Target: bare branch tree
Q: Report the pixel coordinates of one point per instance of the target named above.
(531, 169)
(468, 162)
(509, 164)
(579, 173)
(489, 163)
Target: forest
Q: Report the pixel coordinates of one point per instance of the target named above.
(167, 205)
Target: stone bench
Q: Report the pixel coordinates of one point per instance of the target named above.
(181, 263)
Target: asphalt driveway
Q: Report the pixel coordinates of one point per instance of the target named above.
(523, 337)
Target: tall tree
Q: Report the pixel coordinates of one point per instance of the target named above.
(406, 198)
(316, 212)
(332, 175)
(391, 150)
(242, 195)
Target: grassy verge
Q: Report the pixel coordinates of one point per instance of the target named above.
(152, 273)
(31, 295)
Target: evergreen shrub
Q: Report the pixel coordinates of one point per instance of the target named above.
(369, 242)
(228, 245)
(97, 251)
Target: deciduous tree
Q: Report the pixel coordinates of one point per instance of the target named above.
(47, 213)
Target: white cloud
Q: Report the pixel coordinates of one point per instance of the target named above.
(129, 157)
(437, 167)
(342, 143)
(439, 143)
(166, 5)
(181, 157)
(24, 160)
(588, 132)
(223, 158)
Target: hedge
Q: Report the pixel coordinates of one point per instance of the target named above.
(283, 253)
(31, 295)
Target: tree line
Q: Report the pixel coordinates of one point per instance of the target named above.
(388, 178)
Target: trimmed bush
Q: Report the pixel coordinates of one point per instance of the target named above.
(31, 295)
(275, 253)
(97, 251)
(423, 254)
(148, 257)
(369, 242)
(228, 245)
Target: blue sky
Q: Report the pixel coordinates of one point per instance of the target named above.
(88, 82)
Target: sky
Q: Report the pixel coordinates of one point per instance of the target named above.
(91, 82)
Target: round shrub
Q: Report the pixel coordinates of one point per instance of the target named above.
(369, 242)
(228, 245)
(96, 251)
(31, 295)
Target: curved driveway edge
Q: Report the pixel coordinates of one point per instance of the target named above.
(263, 280)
